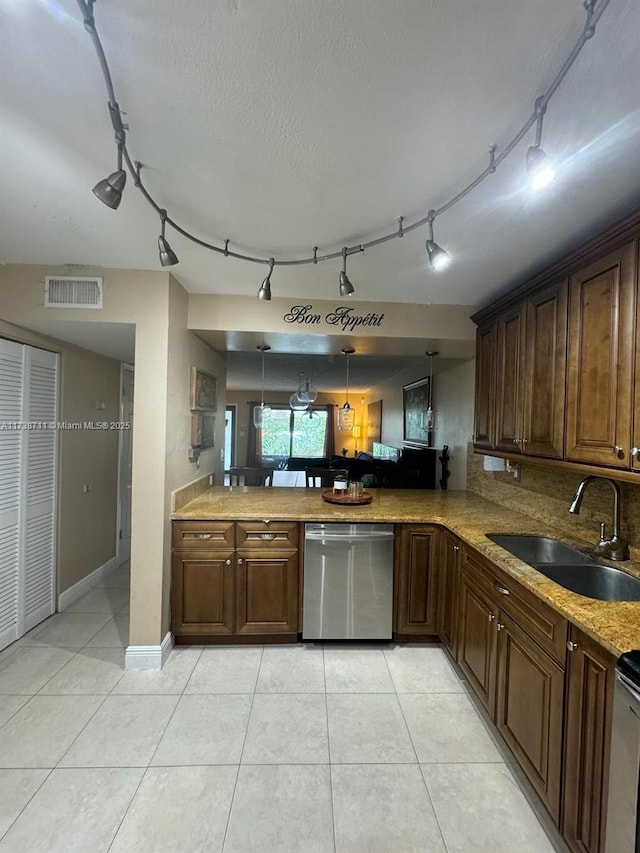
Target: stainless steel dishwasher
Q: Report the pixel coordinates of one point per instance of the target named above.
(348, 582)
(623, 831)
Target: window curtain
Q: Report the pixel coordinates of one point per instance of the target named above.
(330, 434)
(254, 441)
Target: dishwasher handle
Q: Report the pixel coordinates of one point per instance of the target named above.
(630, 688)
(346, 537)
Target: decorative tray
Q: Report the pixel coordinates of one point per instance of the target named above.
(364, 498)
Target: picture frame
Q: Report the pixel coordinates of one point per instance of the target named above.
(203, 428)
(415, 402)
(203, 391)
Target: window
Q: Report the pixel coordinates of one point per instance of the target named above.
(286, 433)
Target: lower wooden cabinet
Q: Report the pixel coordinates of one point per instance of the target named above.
(529, 705)
(267, 592)
(589, 707)
(228, 594)
(477, 640)
(417, 582)
(448, 581)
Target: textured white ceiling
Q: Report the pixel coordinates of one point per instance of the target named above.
(284, 124)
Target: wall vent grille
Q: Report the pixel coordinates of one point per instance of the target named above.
(72, 292)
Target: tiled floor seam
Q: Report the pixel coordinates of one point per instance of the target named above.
(8, 829)
(126, 811)
(326, 706)
(244, 740)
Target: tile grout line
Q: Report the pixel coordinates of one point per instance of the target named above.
(326, 706)
(50, 771)
(244, 740)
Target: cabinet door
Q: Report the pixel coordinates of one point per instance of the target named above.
(448, 582)
(202, 592)
(477, 641)
(600, 377)
(267, 589)
(545, 372)
(484, 414)
(529, 710)
(590, 680)
(509, 380)
(417, 590)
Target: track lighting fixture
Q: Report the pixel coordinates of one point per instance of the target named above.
(168, 257)
(539, 165)
(346, 288)
(346, 415)
(265, 287)
(260, 411)
(438, 257)
(109, 190)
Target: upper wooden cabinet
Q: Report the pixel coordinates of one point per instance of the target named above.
(484, 421)
(531, 371)
(602, 307)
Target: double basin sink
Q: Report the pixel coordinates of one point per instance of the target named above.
(570, 568)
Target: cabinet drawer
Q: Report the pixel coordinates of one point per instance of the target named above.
(267, 534)
(547, 627)
(203, 534)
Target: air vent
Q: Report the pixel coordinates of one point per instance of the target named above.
(65, 291)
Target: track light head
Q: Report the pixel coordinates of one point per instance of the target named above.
(109, 190)
(438, 257)
(265, 288)
(346, 288)
(540, 168)
(168, 257)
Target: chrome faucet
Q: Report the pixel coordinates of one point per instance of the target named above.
(614, 548)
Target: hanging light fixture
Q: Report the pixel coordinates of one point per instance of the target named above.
(167, 256)
(265, 287)
(438, 257)
(346, 415)
(539, 165)
(260, 411)
(109, 190)
(429, 418)
(346, 288)
(298, 401)
(306, 393)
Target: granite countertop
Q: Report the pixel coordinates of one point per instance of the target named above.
(613, 624)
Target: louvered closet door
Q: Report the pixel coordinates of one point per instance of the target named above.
(11, 404)
(37, 578)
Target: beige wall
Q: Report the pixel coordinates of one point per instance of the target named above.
(86, 533)
(146, 299)
(342, 438)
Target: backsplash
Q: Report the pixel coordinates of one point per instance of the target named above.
(545, 494)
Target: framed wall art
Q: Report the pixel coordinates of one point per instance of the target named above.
(203, 391)
(203, 428)
(415, 402)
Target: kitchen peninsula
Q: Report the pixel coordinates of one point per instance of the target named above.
(539, 658)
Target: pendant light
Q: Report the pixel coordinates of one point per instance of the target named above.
(260, 411)
(306, 393)
(429, 417)
(346, 415)
(109, 190)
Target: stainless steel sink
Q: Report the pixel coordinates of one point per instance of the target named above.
(593, 580)
(539, 549)
(570, 568)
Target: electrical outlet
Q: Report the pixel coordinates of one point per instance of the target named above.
(86, 488)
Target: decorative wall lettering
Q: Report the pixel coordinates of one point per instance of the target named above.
(343, 316)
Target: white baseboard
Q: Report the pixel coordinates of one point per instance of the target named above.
(66, 598)
(149, 657)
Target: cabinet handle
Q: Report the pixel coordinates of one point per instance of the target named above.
(491, 617)
(571, 646)
(239, 560)
(228, 562)
(499, 626)
(267, 535)
(634, 452)
(617, 449)
(456, 548)
(524, 441)
(516, 441)
(502, 590)
(198, 535)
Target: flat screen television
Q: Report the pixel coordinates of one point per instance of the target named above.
(385, 451)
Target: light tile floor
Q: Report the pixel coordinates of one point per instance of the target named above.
(272, 749)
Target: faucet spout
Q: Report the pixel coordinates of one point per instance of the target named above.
(616, 548)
